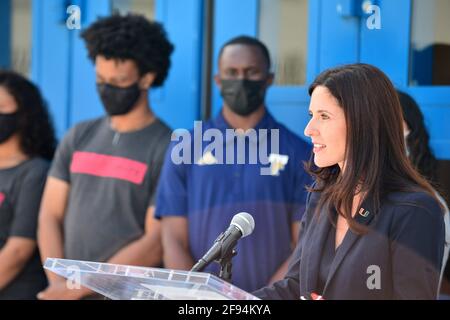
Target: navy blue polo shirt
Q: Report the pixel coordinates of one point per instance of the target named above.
(209, 194)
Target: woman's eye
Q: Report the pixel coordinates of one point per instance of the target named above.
(324, 117)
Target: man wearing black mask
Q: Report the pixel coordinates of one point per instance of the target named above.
(196, 201)
(99, 197)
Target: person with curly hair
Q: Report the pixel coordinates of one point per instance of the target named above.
(422, 157)
(27, 143)
(99, 199)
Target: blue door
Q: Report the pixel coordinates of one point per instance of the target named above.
(413, 48)
(346, 31)
(288, 28)
(67, 77)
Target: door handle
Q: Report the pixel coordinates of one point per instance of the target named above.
(366, 6)
(354, 8)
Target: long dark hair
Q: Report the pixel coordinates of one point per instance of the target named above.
(418, 139)
(375, 157)
(37, 135)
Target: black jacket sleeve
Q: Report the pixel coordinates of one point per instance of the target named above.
(289, 287)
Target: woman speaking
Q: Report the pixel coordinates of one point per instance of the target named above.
(373, 228)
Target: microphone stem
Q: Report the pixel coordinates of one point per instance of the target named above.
(199, 266)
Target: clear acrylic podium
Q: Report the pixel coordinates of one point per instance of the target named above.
(119, 282)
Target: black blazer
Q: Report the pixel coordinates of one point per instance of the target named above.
(403, 249)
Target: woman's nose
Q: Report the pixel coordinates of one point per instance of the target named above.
(309, 129)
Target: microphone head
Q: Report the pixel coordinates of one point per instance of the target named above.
(244, 222)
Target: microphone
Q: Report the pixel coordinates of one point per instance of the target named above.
(241, 226)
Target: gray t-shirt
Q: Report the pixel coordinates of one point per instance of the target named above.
(20, 197)
(113, 178)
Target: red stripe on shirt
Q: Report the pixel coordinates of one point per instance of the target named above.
(101, 165)
(2, 198)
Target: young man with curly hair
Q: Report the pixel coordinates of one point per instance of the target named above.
(99, 198)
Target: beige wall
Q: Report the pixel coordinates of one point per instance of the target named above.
(284, 28)
(431, 22)
(442, 22)
(145, 7)
(21, 35)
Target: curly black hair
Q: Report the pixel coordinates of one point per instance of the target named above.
(131, 37)
(418, 139)
(35, 126)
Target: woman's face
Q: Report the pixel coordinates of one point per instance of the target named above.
(327, 129)
(7, 103)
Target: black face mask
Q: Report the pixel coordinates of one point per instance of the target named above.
(118, 101)
(8, 125)
(243, 96)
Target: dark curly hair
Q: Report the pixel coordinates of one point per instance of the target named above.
(35, 126)
(418, 139)
(131, 37)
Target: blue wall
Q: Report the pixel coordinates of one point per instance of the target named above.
(335, 37)
(67, 77)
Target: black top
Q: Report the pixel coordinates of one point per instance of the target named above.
(21, 189)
